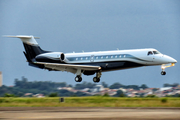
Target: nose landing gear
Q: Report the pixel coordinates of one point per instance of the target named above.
(163, 73)
(163, 67)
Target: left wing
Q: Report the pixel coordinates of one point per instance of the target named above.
(68, 67)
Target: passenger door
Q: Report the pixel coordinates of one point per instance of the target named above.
(92, 58)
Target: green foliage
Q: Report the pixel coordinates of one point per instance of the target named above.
(169, 96)
(93, 101)
(53, 95)
(170, 85)
(24, 86)
(106, 95)
(118, 85)
(66, 93)
(122, 95)
(9, 95)
(97, 95)
(118, 93)
(151, 96)
(164, 100)
(84, 85)
(104, 84)
(144, 86)
(40, 85)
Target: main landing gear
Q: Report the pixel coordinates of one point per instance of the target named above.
(163, 67)
(78, 78)
(97, 78)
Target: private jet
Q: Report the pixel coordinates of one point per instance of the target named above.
(90, 63)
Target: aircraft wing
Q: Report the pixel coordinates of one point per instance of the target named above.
(68, 67)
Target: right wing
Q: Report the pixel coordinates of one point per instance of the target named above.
(68, 67)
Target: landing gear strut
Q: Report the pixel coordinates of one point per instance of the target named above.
(163, 67)
(163, 70)
(78, 78)
(97, 78)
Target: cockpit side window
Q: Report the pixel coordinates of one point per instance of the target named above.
(150, 53)
(156, 52)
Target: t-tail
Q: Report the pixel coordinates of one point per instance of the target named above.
(32, 49)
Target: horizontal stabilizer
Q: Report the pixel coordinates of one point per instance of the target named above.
(28, 39)
(21, 36)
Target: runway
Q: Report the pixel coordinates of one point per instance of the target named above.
(66, 113)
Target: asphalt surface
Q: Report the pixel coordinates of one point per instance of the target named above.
(66, 113)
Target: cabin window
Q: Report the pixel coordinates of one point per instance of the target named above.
(96, 57)
(111, 56)
(76, 58)
(106, 56)
(86, 58)
(101, 57)
(150, 53)
(124, 55)
(116, 56)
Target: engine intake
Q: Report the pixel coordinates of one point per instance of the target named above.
(62, 57)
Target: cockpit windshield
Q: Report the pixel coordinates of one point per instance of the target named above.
(150, 53)
(156, 52)
(153, 52)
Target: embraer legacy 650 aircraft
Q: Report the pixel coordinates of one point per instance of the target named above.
(90, 63)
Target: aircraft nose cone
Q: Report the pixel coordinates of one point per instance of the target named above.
(170, 59)
(174, 61)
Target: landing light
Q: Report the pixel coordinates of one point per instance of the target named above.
(163, 67)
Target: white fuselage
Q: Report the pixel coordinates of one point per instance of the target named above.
(139, 56)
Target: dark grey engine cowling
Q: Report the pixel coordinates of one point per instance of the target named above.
(52, 57)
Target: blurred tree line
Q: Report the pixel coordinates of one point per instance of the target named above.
(170, 85)
(49, 88)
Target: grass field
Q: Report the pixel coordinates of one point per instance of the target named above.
(90, 102)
